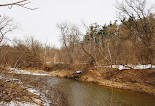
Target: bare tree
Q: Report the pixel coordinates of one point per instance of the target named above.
(134, 10)
(20, 3)
(69, 37)
(93, 61)
(5, 22)
(134, 14)
(5, 27)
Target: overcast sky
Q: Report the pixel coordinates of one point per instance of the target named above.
(41, 23)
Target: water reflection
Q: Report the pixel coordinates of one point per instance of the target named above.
(86, 94)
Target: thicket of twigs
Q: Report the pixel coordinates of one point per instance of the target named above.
(128, 40)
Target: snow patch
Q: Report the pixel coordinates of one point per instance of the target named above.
(36, 92)
(42, 99)
(16, 103)
(18, 71)
(78, 72)
(121, 67)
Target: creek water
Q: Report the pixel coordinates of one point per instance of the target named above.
(87, 94)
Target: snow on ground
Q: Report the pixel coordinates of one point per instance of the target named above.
(1, 77)
(16, 103)
(121, 67)
(36, 92)
(11, 79)
(42, 99)
(149, 66)
(18, 71)
(78, 72)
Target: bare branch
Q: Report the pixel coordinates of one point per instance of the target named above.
(5, 27)
(21, 3)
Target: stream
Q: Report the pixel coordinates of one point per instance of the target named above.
(75, 93)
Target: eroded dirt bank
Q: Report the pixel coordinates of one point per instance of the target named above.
(131, 79)
(15, 93)
(142, 80)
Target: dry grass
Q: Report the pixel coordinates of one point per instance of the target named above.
(57, 73)
(62, 73)
(36, 70)
(137, 80)
(12, 92)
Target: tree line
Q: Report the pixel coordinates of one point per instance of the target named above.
(128, 40)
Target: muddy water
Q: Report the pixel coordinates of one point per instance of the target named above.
(86, 94)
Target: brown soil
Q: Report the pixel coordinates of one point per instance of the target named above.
(12, 92)
(137, 80)
(62, 73)
(143, 77)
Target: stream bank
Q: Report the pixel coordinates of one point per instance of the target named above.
(130, 79)
(141, 80)
(61, 91)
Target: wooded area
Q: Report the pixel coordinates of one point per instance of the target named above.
(89, 53)
(128, 40)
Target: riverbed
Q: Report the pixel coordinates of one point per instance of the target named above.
(76, 93)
